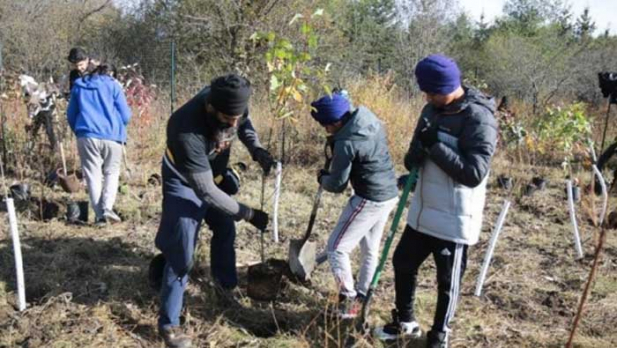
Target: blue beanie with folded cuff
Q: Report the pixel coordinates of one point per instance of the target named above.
(438, 74)
(330, 109)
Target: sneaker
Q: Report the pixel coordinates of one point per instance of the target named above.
(174, 337)
(100, 221)
(350, 308)
(397, 329)
(436, 339)
(112, 217)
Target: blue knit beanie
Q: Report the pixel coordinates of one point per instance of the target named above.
(438, 74)
(330, 109)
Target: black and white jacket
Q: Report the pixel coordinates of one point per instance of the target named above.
(450, 194)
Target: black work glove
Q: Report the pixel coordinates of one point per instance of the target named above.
(428, 137)
(402, 181)
(265, 160)
(259, 220)
(320, 175)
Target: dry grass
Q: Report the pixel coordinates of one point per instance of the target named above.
(87, 287)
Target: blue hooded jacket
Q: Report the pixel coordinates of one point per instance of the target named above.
(98, 109)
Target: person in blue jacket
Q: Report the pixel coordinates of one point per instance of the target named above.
(98, 114)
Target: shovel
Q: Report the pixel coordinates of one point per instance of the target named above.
(302, 252)
(362, 323)
(69, 183)
(127, 168)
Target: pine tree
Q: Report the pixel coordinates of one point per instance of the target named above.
(585, 26)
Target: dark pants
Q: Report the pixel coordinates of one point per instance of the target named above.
(451, 260)
(177, 236)
(45, 118)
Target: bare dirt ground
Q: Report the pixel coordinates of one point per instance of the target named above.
(87, 286)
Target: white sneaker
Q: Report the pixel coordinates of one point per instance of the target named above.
(112, 217)
(397, 329)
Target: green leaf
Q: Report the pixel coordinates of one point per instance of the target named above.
(271, 36)
(312, 41)
(327, 89)
(280, 53)
(305, 29)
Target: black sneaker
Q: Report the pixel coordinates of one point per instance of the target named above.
(100, 222)
(397, 329)
(436, 339)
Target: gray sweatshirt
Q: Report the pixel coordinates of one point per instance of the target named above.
(361, 155)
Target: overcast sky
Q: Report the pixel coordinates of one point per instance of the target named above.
(604, 12)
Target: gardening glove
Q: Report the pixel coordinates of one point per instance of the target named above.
(320, 175)
(265, 160)
(259, 220)
(402, 180)
(428, 137)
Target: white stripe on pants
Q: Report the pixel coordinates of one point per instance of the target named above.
(362, 221)
(455, 290)
(100, 163)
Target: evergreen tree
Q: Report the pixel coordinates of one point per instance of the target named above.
(585, 26)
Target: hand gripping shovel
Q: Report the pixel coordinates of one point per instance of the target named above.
(302, 252)
(362, 323)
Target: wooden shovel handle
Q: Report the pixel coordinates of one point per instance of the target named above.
(63, 159)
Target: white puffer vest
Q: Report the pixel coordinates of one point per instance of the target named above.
(445, 209)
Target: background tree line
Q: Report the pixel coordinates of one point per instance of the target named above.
(537, 52)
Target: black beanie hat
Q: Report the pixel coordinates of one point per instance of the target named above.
(230, 94)
(77, 54)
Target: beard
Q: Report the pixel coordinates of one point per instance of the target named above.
(218, 131)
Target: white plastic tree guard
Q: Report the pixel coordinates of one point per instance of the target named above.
(277, 193)
(489, 252)
(19, 267)
(577, 236)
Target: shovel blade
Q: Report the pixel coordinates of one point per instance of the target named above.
(302, 255)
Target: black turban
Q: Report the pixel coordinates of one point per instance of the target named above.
(230, 94)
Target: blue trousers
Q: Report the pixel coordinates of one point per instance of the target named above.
(177, 236)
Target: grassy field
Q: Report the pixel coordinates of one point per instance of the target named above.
(87, 286)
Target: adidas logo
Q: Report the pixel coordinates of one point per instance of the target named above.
(445, 252)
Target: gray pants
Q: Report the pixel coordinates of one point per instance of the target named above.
(363, 222)
(100, 163)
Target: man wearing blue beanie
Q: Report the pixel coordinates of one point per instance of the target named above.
(452, 148)
(360, 155)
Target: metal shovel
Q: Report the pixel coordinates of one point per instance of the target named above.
(302, 252)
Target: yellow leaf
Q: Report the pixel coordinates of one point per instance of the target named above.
(297, 96)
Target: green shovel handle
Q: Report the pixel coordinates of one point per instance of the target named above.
(411, 180)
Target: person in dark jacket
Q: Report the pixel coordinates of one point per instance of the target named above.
(197, 185)
(360, 156)
(98, 114)
(452, 147)
(79, 62)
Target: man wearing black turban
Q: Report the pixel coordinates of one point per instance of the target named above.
(197, 185)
